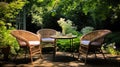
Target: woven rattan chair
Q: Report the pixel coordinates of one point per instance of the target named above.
(45, 36)
(29, 41)
(92, 43)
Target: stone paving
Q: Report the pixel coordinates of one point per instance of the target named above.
(64, 59)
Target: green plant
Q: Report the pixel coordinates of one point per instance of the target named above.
(6, 38)
(9, 10)
(112, 42)
(111, 48)
(64, 45)
(67, 26)
(36, 13)
(87, 29)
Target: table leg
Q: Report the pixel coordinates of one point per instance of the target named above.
(71, 47)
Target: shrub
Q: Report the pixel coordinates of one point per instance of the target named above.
(6, 38)
(112, 42)
(67, 26)
(64, 45)
(87, 29)
(111, 48)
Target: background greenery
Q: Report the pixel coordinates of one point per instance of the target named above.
(8, 12)
(99, 14)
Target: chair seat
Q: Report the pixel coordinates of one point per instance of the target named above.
(86, 42)
(31, 43)
(48, 40)
(95, 43)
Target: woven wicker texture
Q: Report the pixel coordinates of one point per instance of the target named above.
(46, 39)
(46, 33)
(29, 41)
(92, 42)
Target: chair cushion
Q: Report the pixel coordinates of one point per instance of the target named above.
(30, 42)
(34, 42)
(85, 42)
(95, 43)
(48, 40)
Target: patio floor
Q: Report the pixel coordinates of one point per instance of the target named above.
(63, 59)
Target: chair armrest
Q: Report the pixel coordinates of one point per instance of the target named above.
(21, 38)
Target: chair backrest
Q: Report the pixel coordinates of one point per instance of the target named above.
(46, 33)
(97, 35)
(24, 36)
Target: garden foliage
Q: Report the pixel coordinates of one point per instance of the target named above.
(8, 12)
(6, 39)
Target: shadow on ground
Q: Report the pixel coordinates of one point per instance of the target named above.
(62, 59)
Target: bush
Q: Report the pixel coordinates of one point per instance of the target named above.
(64, 45)
(87, 29)
(67, 26)
(111, 48)
(112, 42)
(6, 38)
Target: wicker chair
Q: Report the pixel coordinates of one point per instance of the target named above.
(92, 43)
(45, 35)
(28, 41)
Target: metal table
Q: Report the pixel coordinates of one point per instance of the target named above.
(56, 37)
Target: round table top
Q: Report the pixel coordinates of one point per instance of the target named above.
(63, 36)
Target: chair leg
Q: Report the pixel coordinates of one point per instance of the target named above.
(31, 59)
(25, 55)
(102, 53)
(40, 48)
(54, 53)
(30, 54)
(86, 57)
(95, 55)
(78, 55)
(41, 57)
(41, 54)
